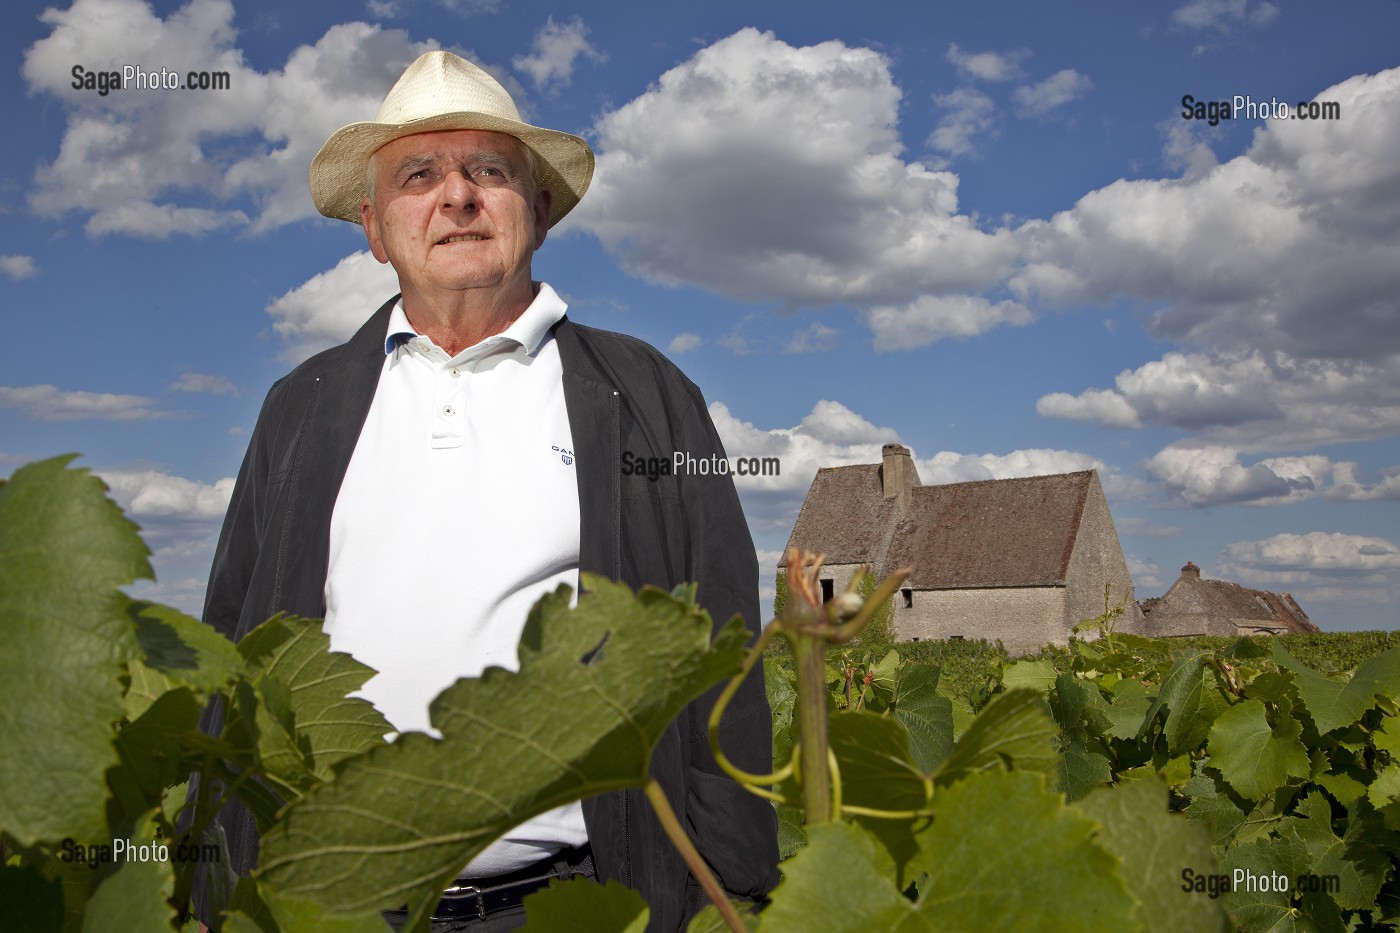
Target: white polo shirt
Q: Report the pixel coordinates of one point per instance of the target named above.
(458, 511)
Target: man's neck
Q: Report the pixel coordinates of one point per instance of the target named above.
(459, 319)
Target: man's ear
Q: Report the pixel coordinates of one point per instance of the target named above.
(543, 200)
(370, 222)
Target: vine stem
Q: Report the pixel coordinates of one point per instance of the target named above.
(693, 859)
(750, 782)
(810, 661)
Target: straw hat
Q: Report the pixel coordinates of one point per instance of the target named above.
(441, 91)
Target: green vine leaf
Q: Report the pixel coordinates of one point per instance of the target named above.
(29, 901)
(1029, 674)
(1005, 853)
(151, 752)
(873, 756)
(1358, 865)
(597, 687)
(1080, 771)
(1013, 729)
(1255, 904)
(64, 550)
(1128, 710)
(925, 714)
(1193, 701)
(582, 905)
(328, 726)
(1337, 703)
(833, 886)
(177, 651)
(1253, 757)
(1155, 847)
(134, 897)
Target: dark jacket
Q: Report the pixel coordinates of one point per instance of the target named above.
(621, 395)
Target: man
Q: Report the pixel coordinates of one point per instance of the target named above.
(423, 484)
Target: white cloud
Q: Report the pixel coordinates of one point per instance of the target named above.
(1186, 151)
(968, 113)
(18, 267)
(683, 343)
(1348, 488)
(48, 403)
(147, 494)
(179, 520)
(815, 338)
(556, 47)
(471, 7)
(329, 307)
(938, 317)
(988, 66)
(1145, 576)
(835, 423)
(771, 215)
(1278, 269)
(201, 382)
(1221, 14)
(830, 435)
(1104, 406)
(1204, 476)
(1142, 528)
(949, 467)
(1250, 400)
(1317, 551)
(228, 159)
(1055, 91)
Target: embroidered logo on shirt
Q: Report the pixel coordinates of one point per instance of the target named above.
(566, 455)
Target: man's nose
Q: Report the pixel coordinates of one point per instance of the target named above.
(458, 190)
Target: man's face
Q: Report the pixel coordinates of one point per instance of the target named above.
(455, 210)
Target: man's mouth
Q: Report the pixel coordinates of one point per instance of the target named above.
(462, 238)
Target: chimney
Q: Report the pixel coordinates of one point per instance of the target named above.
(1191, 570)
(898, 475)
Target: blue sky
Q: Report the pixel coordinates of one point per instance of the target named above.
(982, 229)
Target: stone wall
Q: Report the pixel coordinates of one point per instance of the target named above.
(839, 574)
(1097, 558)
(1021, 618)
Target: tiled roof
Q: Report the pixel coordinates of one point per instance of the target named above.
(992, 533)
(845, 516)
(1221, 603)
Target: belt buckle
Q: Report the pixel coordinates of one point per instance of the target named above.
(462, 891)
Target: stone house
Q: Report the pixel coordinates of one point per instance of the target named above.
(1017, 560)
(1194, 606)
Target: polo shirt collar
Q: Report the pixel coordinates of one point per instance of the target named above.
(529, 330)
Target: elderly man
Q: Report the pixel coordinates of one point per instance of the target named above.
(423, 484)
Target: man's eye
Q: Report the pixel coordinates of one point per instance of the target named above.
(489, 175)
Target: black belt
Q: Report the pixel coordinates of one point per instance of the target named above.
(475, 898)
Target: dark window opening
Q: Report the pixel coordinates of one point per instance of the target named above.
(908, 598)
(828, 591)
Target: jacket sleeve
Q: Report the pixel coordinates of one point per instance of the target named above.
(735, 829)
(240, 539)
(230, 578)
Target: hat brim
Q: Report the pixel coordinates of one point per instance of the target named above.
(338, 171)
